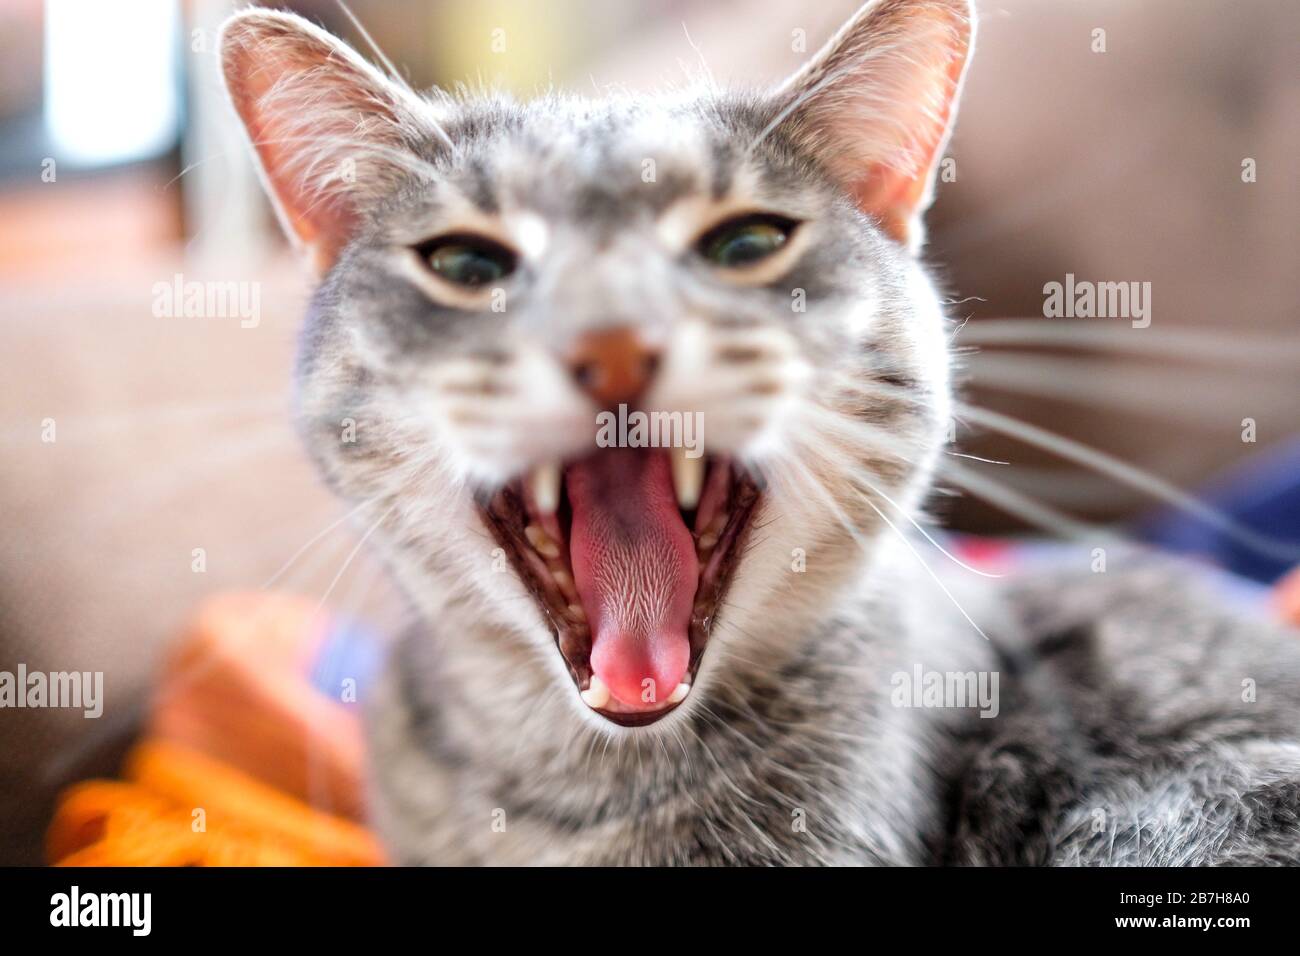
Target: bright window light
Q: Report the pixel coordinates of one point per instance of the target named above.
(111, 91)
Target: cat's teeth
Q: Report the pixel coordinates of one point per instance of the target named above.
(564, 581)
(544, 482)
(597, 694)
(688, 478)
(679, 693)
(541, 542)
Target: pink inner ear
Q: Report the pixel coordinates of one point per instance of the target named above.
(893, 195)
(309, 104)
(882, 98)
(320, 222)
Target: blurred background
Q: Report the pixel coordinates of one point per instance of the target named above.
(121, 167)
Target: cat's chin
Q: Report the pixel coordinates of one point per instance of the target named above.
(629, 580)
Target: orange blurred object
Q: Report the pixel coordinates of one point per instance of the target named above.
(243, 763)
(236, 688)
(1286, 597)
(180, 808)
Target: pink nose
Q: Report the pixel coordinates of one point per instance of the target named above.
(613, 366)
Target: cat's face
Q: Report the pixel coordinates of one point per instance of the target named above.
(499, 277)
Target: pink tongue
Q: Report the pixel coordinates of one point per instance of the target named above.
(635, 567)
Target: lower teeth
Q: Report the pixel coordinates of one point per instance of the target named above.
(597, 694)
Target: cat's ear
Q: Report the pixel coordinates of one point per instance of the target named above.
(329, 130)
(877, 102)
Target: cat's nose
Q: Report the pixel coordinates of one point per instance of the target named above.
(613, 366)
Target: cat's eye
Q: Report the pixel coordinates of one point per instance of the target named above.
(469, 261)
(740, 242)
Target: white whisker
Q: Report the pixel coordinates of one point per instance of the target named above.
(311, 541)
(1023, 507)
(857, 536)
(1132, 476)
(355, 551)
(95, 426)
(1159, 392)
(1174, 343)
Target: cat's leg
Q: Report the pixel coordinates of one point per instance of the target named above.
(411, 792)
(1038, 798)
(1237, 805)
(1152, 725)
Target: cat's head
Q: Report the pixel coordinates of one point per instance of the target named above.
(508, 288)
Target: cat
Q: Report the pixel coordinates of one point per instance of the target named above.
(633, 656)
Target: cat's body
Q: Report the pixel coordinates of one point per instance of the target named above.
(1124, 736)
(497, 275)
(1146, 723)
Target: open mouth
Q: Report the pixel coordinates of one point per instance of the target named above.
(628, 553)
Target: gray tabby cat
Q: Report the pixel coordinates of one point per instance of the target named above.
(638, 656)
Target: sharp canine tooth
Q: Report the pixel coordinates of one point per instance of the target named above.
(679, 693)
(541, 542)
(545, 484)
(688, 478)
(597, 694)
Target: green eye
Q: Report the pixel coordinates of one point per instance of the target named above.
(740, 242)
(469, 261)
